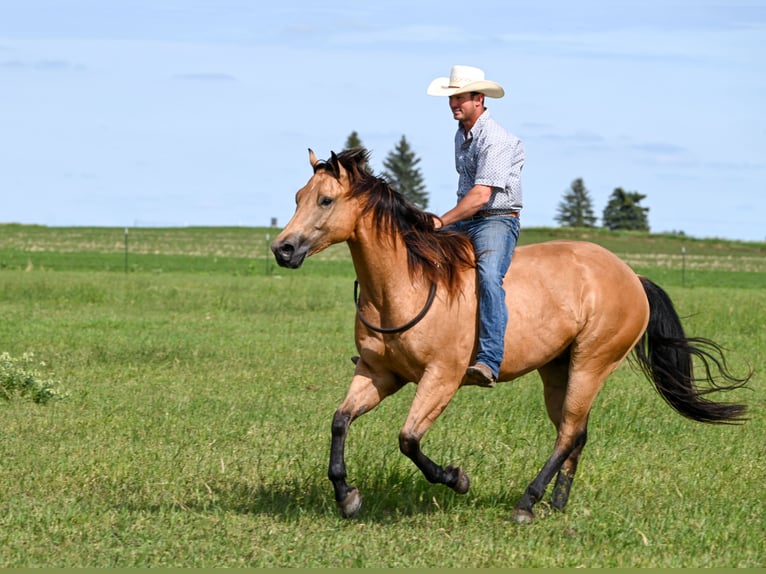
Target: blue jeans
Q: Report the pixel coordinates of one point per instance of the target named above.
(494, 240)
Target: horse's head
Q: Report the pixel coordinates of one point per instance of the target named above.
(325, 213)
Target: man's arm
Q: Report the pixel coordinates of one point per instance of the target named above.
(472, 202)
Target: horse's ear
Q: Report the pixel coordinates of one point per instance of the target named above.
(313, 158)
(340, 170)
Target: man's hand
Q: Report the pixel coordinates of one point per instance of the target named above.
(473, 201)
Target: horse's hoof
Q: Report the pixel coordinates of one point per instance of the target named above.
(463, 482)
(351, 504)
(521, 516)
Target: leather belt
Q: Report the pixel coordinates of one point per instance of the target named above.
(486, 213)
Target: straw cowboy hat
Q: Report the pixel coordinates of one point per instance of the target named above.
(463, 80)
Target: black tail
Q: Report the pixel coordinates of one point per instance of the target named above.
(665, 355)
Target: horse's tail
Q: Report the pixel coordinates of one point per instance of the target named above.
(665, 355)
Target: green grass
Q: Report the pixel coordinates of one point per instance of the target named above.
(245, 250)
(200, 395)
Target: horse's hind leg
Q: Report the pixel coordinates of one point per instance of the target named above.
(566, 474)
(363, 395)
(555, 377)
(522, 512)
(568, 398)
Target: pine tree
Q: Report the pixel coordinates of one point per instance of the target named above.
(400, 169)
(576, 207)
(624, 212)
(353, 141)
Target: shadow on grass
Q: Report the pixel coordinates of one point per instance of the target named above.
(385, 498)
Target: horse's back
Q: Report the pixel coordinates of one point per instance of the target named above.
(572, 266)
(561, 293)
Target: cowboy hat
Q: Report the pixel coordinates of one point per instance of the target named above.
(463, 80)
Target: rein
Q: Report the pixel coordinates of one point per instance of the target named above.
(409, 324)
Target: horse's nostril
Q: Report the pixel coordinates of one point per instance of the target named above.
(289, 252)
(283, 249)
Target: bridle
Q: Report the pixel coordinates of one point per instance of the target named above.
(408, 325)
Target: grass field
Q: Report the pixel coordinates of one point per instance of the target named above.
(201, 386)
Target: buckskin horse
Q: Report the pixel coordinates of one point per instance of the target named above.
(576, 311)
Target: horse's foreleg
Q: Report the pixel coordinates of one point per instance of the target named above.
(346, 497)
(363, 395)
(454, 477)
(430, 400)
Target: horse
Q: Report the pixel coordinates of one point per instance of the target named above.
(576, 311)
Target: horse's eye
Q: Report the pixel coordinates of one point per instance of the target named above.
(325, 201)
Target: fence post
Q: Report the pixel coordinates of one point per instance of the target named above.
(126, 250)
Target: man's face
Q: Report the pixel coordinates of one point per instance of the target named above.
(466, 108)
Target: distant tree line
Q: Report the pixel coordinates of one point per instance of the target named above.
(623, 209)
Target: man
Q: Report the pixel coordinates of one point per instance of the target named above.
(488, 160)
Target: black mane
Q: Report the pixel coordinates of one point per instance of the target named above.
(439, 255)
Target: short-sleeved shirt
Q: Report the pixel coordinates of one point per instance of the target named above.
(491, 156)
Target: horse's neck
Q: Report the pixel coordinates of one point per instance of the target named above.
(381, 269)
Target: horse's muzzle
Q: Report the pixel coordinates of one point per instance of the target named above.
(288, 254)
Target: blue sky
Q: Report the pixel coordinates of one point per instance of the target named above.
(200, 112)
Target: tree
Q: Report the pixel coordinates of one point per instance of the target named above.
(576, 207)
(624, 212)
(400, 169)
(353, 140)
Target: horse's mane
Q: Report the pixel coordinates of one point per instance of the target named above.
(438, 255)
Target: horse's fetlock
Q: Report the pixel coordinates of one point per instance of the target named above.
(408, 445)
(337, 472)
(534, 493)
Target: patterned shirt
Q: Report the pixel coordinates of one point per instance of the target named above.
(490, 156)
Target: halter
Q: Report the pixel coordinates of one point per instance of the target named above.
(409, 324)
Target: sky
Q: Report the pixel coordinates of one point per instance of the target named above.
(200, 112)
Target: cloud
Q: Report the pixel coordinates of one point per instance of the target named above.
(423, 34)
(535, 126)
(587, 139)
(42, 65)
(736, 166)
(662, 154)
(659, 148)
(207, 77)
